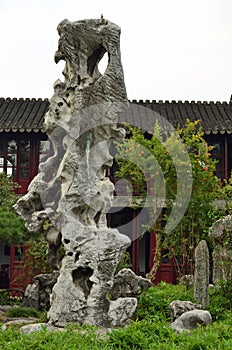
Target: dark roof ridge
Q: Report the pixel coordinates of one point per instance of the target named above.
(28, 114)
(23, 99)
(130, 100)
(177, 101)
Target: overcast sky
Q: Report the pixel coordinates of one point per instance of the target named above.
(171, 49)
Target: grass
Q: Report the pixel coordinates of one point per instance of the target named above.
(150, 328)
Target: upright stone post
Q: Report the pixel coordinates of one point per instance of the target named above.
(201, 274)
(71, 195)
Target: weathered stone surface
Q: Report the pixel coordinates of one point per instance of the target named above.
(38, 293)
(17, 322)
(70, 197)
(120, 310)
(201, 274)
(220, 235)
(31, 296)
(191, 319)
(37, 327)
(127, 283)
(220, 228)
(178, 307)
(87, 284)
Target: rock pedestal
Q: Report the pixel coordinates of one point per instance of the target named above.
(71, 195)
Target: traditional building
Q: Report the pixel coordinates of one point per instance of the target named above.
(21, 137)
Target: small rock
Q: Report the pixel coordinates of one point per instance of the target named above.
(31, 296)
(121, 310)
(38, 327)
(191, 319)
(128, 284)
(17, 322)
(178, 307)
(37, 294)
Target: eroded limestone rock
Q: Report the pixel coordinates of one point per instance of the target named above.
(178, 307)
(38, 327)
(37, 294)
(18, 322)
(31, 296)
(191, 319)
(221, 236)
(128, 284)
(69, 198)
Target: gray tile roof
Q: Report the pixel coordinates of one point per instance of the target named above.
(22, 114)
(216, 117)
(28, 114)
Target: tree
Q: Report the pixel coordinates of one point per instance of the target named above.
(161, 165)
(12, 228)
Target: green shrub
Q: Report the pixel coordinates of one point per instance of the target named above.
(6, 299)
(154, 303)
(220, 300)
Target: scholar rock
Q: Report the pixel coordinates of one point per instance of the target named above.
(69, 198)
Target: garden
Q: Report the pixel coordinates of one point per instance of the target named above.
(150, 328)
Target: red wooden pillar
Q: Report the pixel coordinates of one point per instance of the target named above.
(35, 157)
(152, 248)
(19, 274)
(135, 245)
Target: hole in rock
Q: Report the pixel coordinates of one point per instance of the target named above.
(60, 68)
(81, 279)
(70, 254)
(77, 256)
(94, 59)
(66, 241)
(97, 217)
(102, 65)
